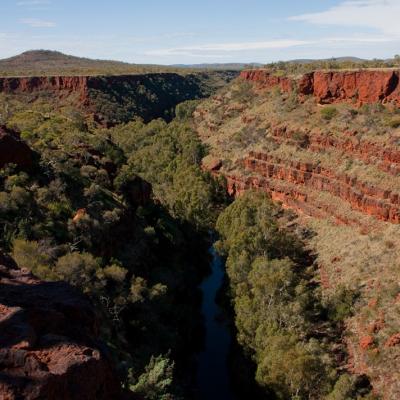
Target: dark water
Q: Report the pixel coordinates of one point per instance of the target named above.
(213, 377)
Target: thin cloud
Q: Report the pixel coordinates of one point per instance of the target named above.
(37, 23)
(34, 3)
(223, 49)
(226, 47)
(379, 15)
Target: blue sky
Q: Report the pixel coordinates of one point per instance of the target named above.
(186, 31)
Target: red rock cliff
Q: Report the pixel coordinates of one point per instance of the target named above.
(359, 87)
(53, 83)
(49, 347)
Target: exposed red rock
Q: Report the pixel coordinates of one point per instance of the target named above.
(14, 150)
(366, 342)
(79, 215)
(49, 347)
(78, 84)
(393, 340)
(266, 80)
(358, 86)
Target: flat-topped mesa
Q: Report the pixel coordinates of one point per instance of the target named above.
(356, 86)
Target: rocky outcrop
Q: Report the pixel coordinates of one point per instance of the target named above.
(266, 80)
(353, 86)
(13, 150)
(49, 347)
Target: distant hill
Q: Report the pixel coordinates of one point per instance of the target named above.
(47, 62)
(218, 66)
(240, 66)
(337, 59)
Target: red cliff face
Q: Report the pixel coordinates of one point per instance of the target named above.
(358, 87)
(266, 80)
(78, 84)
(49, 347)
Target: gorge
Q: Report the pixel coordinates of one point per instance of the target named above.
(109, 188)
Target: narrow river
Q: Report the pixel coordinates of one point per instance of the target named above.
(213, 376)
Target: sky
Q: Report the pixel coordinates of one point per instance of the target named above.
(202, 31)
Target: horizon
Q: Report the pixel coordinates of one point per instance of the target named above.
(55, 51)
(236, 32)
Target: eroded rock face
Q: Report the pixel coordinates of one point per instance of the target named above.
(357, 87)
(52, 83)
(49, 347)
(14, 150)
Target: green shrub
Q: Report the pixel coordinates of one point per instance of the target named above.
(30, 255)
(341, 304)
(155, 382)
(79, 269)
(328, 113)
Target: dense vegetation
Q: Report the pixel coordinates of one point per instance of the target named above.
(280, 318)
(83, 215)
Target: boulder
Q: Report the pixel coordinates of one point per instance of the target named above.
(49, 341)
